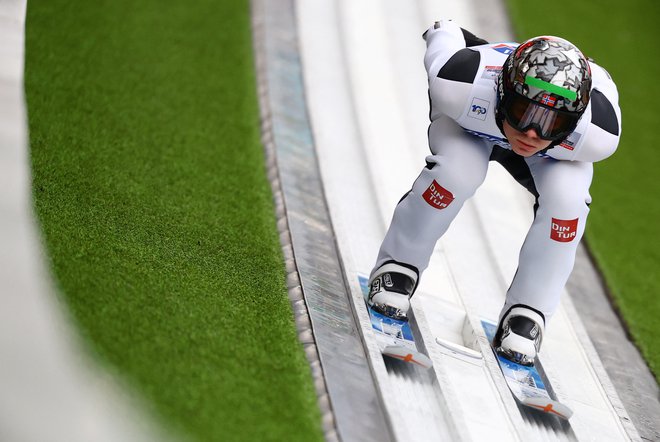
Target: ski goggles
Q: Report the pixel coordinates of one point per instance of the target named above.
(550, 124)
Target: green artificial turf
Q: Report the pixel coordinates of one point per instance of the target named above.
(623, 231)
(158, 219)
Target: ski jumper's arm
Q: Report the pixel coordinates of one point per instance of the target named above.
(597, 134)
(604, 128)
(444, 40)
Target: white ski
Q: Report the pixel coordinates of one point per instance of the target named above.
(526, 383)
(394, 337)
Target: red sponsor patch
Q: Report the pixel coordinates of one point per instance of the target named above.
(567, 145)
(437, 196)
(564, 230)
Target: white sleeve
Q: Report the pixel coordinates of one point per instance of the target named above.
(600, 129)
(604, 130)
(441, 44)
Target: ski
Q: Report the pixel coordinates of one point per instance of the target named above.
(395, 338)
(526, 383)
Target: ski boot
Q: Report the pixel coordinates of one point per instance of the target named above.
(390, 289)
(519, 335)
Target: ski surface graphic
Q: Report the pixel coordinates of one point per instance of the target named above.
(395, 338)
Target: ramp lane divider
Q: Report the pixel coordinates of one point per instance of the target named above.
(350, 403)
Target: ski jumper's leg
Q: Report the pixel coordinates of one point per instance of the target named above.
(453, 172)
(548, 253)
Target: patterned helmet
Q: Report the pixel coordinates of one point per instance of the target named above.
(546, 71)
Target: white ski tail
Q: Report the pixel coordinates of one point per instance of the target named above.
(395, 338)
(408, 355)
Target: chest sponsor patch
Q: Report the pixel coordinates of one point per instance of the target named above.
(564, 230)
(478, 109)
(491, 72)
(437, 196)
(504, 48)
(569, 143)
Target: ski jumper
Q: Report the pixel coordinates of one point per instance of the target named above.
(464, 136)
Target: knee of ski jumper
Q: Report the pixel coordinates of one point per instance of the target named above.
(461, 181)
(565, 202)
(564, 191)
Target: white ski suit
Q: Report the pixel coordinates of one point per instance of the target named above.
(464, 137)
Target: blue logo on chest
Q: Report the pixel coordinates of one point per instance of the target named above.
(504, 48)
(497, 140)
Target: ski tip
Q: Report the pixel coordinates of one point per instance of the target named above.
(549, 406)
(408, 355)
